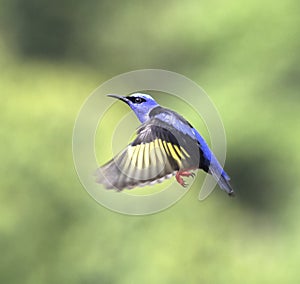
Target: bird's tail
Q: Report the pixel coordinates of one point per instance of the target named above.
(225, 185)
(221, 177)
(215, 169)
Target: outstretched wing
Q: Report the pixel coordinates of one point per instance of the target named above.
(157, 153)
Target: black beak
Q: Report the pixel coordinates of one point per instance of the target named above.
(124, 99)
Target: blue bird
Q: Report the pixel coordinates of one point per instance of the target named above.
(166, 145)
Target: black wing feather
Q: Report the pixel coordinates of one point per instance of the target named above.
(157, 153)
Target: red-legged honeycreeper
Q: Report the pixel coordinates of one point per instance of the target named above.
(166, 145)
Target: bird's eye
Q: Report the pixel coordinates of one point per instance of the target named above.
(138, 100)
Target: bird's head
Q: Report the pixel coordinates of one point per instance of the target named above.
(140, 103)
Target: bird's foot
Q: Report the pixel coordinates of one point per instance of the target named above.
(181, 174)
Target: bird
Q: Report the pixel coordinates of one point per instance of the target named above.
(166, 145)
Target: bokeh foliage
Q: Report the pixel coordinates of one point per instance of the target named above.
(244, 54)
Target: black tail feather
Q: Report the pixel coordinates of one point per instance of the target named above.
(225, 185)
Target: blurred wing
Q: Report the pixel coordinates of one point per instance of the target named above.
(157, 153)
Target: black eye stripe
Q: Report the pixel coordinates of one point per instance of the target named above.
(136, 100)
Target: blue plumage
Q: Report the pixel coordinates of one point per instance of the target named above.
(177, 147)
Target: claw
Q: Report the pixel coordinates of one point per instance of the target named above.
(184, 173)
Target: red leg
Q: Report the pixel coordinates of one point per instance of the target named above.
(180, 179)
(183, 173)
(186, 174)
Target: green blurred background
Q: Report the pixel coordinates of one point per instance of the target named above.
(53, 54)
